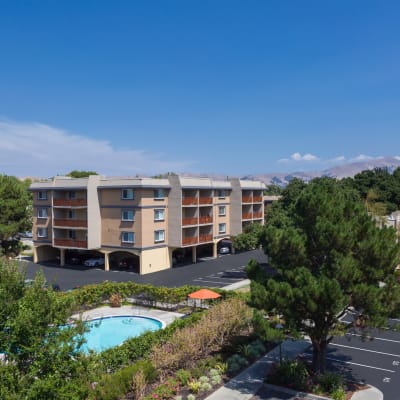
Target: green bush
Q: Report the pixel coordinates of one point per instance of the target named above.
(235, 363)
(330, 381)
(293, 374)
(338, 394)
(183, 376)
(113, 386)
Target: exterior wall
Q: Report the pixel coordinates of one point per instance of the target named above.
(174, 212)
(93, 213)
(98, 215)
(236, 208)
(154, 260)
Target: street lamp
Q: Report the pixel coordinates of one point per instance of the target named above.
(279, 327)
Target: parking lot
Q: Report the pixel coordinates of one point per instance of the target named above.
(374, 360)
(218, 272)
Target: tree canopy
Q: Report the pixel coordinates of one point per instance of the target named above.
(330, 257)
(15, 206)
(81, 174)
(384, 186)
(43, 360)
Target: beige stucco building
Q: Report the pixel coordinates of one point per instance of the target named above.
(152, 223)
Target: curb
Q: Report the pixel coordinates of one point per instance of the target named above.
(301, 395)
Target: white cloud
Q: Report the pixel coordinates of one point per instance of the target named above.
(297, 157)
(362, 157)
(34, 149)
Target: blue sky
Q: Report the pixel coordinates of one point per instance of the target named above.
(227, 87)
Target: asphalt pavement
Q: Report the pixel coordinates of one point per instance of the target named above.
(218, 272)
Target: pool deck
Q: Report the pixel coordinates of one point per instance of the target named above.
(166, 317)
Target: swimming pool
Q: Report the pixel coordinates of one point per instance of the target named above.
(108, 332)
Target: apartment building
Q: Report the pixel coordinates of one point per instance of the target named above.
(151, 222)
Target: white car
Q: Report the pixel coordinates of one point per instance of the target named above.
(94, 262)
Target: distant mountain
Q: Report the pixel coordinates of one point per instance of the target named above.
(339, 172)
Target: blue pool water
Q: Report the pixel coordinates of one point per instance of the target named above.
(109, 332)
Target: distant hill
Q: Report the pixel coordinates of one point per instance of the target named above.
(339, 172)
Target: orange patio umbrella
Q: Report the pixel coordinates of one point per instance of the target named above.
(204, 294)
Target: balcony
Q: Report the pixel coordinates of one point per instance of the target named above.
(205, 238)
(207, 219)
(190, 221)
(205, 200)
(70, 202)
(81, 244)
(189, 240)
(257, 199)
(247, 199)
(189, 201)
(247, 216)
(257, 215)
(68, 222)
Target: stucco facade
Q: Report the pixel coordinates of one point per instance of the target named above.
(148, 219)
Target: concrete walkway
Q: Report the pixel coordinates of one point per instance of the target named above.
(166, 317)
(246, 385)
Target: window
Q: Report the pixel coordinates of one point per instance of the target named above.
(72, 194)
(159, 236)
(159, 194)
(221, 193)
(221, 211)
(159, 215)
(72, 234)
(128, 215)
(42, 213)
(221, 228)
(72, 214)
(128, 237)
(42, 195)
(42, 232)
(127, 194)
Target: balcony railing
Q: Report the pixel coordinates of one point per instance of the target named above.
(82, 244)
(205, 200)
(257, 215)
(257, 199)
(69, 222)
(247, 215)
(70, 202)
(189, 240)
(190, 221)
(205, 238)
(247, 199)
(189, 201)
(207, 219)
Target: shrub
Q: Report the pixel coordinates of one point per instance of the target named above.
(290, 373)
(183, 376)
(235, 363)
(215, 329)
(191, 397)
(165, 391)
(113, 386)
(194, 386)
(216, 380)
(115, 300)
(330, 381)
(205, 387)
(338, 394)
(204, 379)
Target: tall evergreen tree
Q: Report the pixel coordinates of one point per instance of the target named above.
(330, 257)
(15, 207)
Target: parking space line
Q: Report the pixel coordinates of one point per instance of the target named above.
(203, 280)
(369, 351)
(353, 363)
(374, 338)
(360, 365)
